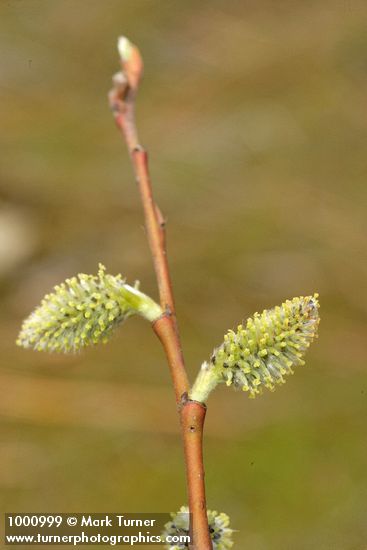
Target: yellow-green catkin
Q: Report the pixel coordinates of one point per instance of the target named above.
(262, 351)
(219, 529)
(84, 310)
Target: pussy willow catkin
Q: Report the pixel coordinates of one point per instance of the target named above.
(220, 532)
(260, 353)
(84, 310)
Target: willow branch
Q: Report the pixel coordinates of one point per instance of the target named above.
(122, 102)
(192, 425)
(168, 336)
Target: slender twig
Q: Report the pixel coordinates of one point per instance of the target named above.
(169, 338)
(192, 414)
(192, 423)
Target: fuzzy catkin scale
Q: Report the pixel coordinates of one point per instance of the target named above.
(82, 311)
(263, 351)
(220, 532)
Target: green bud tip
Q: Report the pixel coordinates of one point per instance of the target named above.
(124, 47)
(82, 311)
(220, 532)
(263, 350)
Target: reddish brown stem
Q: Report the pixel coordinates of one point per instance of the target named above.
(168, 336)
(155, 230)
(122, 102)
(192, 424)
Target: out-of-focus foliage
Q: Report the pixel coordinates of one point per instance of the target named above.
(254, 114)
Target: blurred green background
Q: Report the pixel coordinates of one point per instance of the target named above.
(254, 115)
